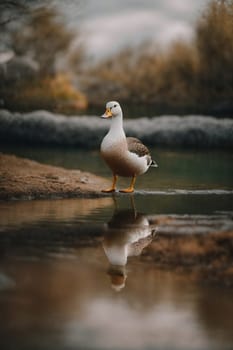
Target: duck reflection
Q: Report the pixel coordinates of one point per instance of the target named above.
(126, 235)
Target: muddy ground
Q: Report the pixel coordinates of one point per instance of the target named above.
(204, 257)
(26, 179)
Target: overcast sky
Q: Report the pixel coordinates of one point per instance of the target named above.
(108, 25)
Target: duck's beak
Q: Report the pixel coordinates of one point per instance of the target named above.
(107, 114)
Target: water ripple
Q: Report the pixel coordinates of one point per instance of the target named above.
(170, 192)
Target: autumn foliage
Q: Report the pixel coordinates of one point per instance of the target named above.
(196, 76)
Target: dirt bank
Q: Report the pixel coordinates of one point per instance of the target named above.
(26, 179)
(204, 257)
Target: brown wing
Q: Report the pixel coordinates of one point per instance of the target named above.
(136, 146)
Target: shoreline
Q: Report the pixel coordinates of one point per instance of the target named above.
(86, 132)
(205, 258)
(24, 179)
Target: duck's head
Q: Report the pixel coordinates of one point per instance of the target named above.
(113, 109)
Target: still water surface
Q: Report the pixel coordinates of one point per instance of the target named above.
(189, 169)
(73, 273)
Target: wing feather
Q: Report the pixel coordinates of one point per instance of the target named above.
(136, 146)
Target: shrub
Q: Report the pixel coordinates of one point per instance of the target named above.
(197, 76)
(214, 41)
(50, 93)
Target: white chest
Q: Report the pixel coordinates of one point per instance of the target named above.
(110, 144)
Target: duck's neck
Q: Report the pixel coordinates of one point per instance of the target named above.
(116, 129)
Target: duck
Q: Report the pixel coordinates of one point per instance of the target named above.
(125, 156)
(125, 235)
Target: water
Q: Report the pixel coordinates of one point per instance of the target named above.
(177, 169)
(74, 273)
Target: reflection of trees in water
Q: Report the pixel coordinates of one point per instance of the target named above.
(59, 291)
(56, 288)
(215, 315)
(16, 214)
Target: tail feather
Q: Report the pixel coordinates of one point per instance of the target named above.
(153, 164)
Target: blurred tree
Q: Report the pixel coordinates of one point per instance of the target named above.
(77, 59)
(10, 10)
(43, 38)
(35, 74)
(17, 10)
(194, 77)
(214, 40)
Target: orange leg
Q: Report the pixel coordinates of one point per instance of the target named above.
(131, 187)
(113, 188)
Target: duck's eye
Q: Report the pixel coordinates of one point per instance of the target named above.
(115, 106)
